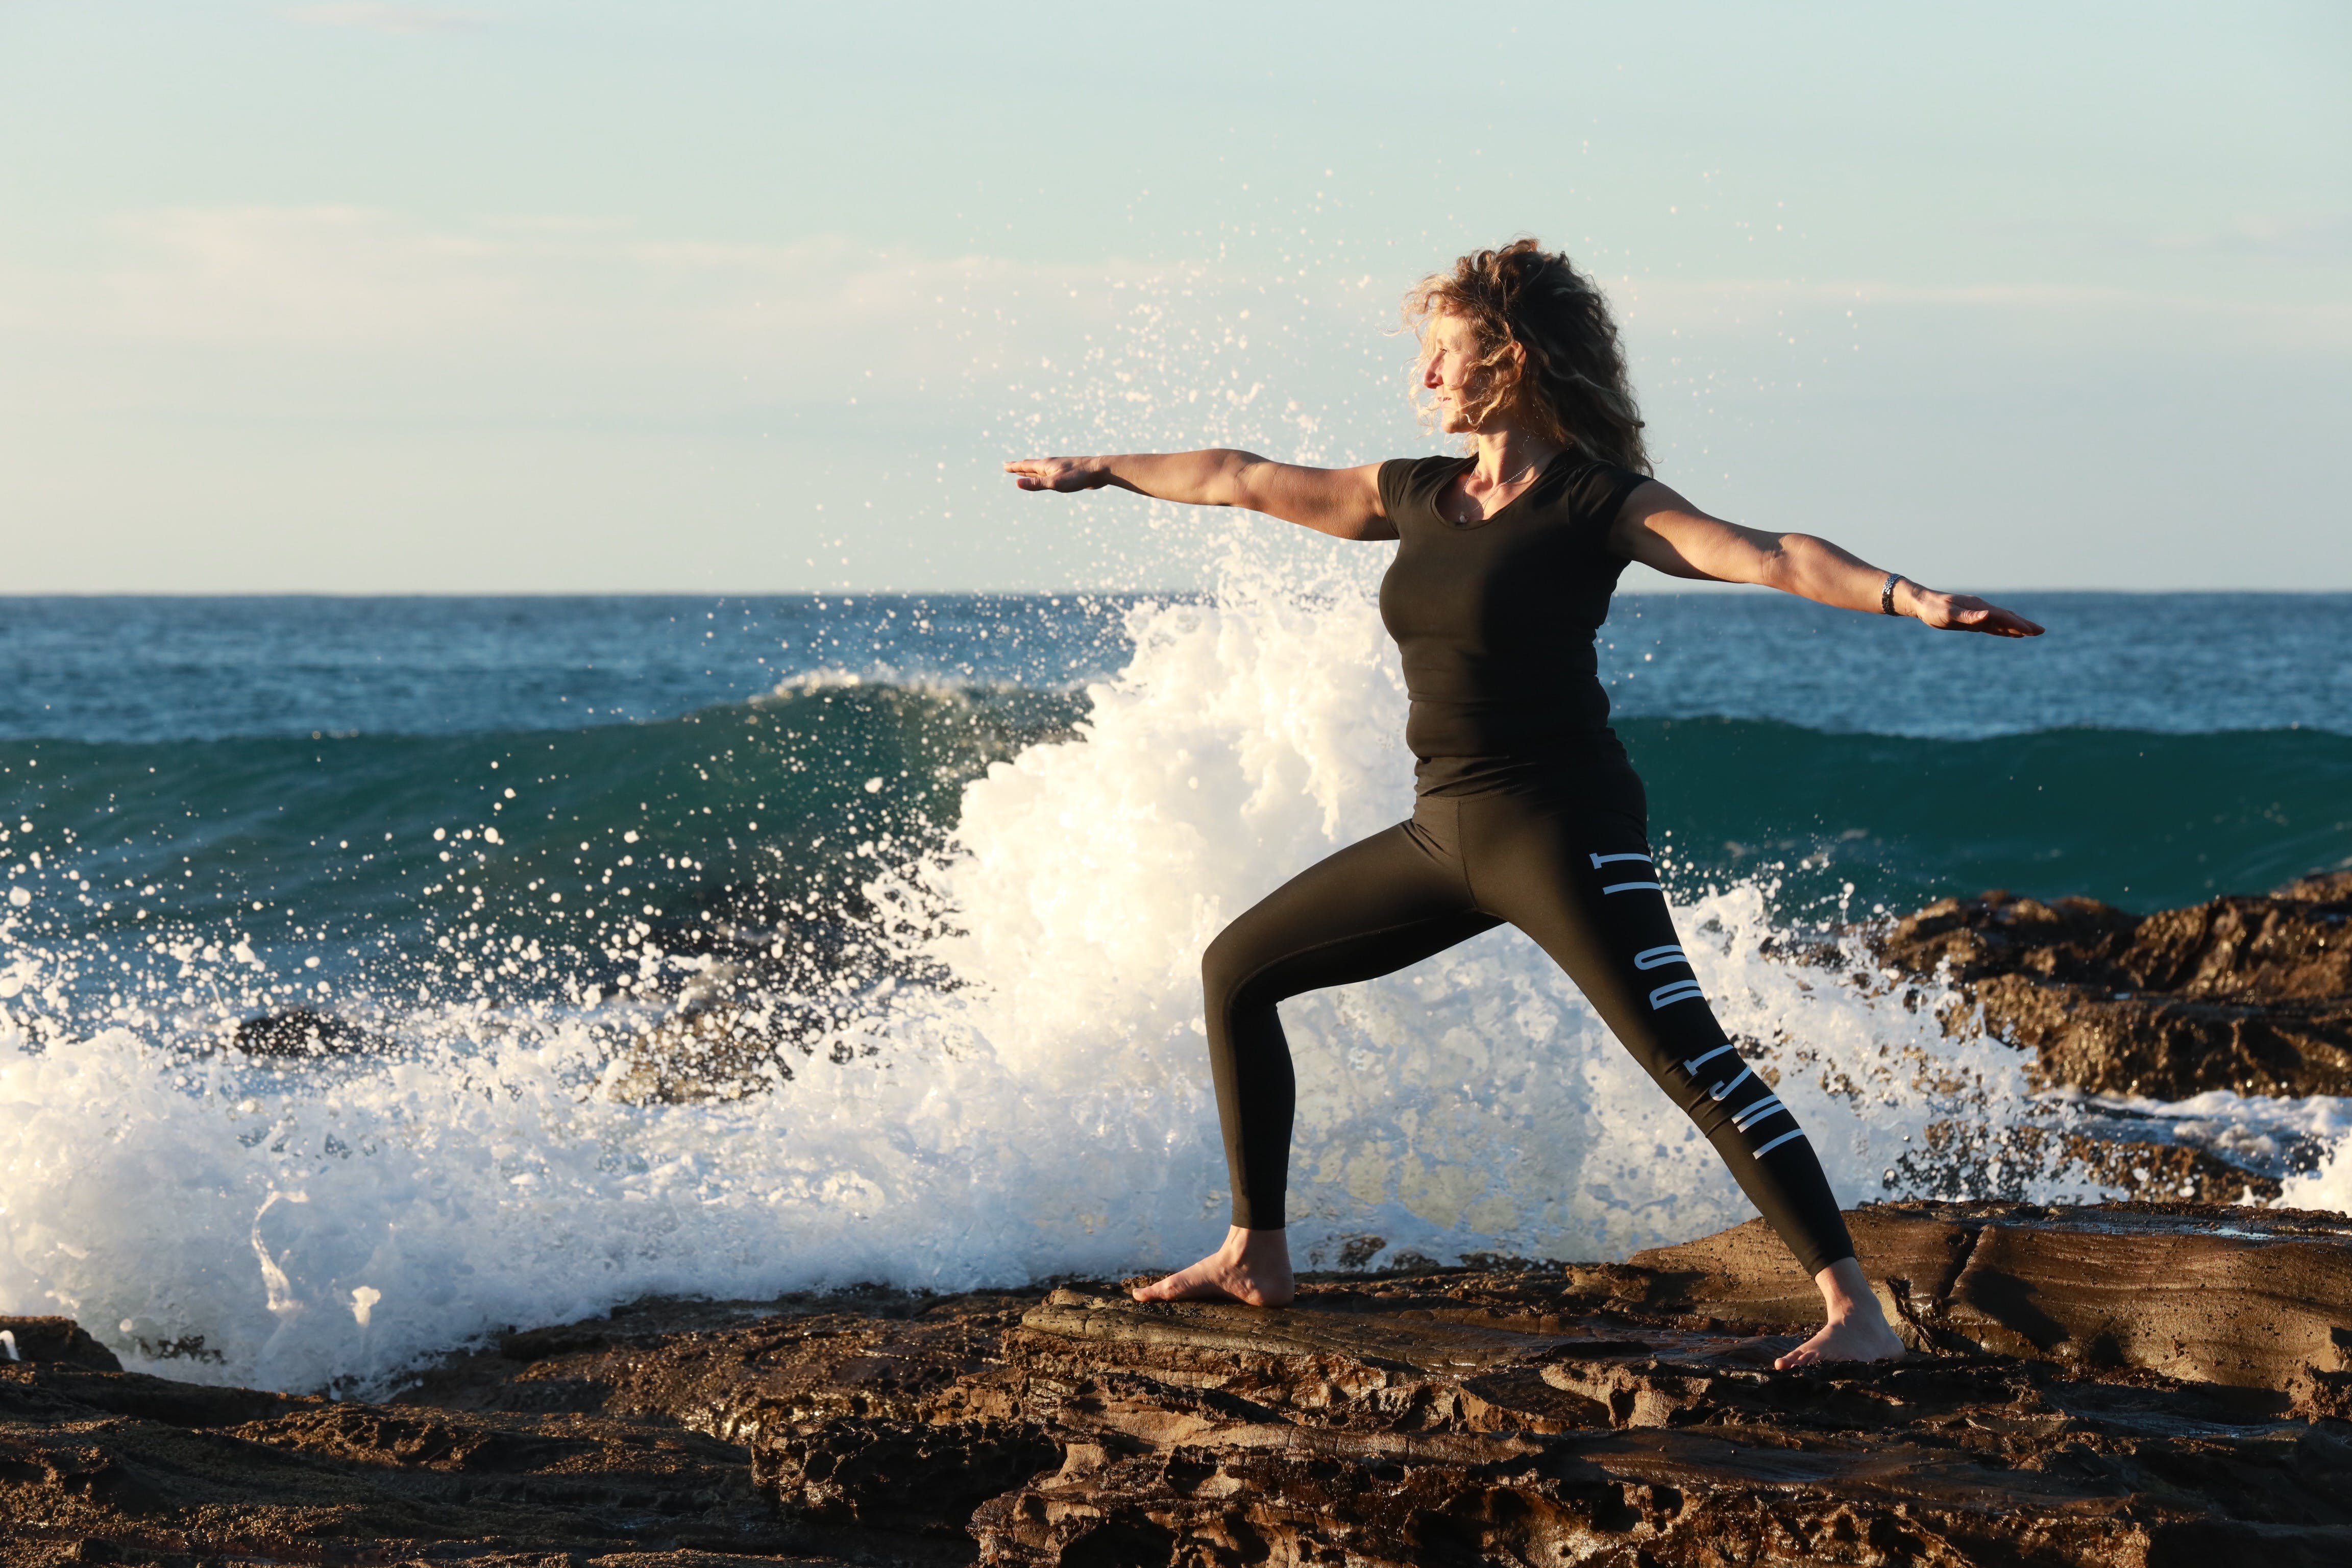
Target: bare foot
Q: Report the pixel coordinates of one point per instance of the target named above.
(1253, 1268)
(1850, 1339)
(1857, 1328)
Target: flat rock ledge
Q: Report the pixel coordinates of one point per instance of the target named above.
(2137, 1384)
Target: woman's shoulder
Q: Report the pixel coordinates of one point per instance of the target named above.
(1434, 468)
(1405, 481)
(1595, 488)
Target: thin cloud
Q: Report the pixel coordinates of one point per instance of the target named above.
(2327, 237)
(402, 20)
(344, 278)
(2089, 313)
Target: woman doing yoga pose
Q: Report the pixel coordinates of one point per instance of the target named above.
(1526, 808)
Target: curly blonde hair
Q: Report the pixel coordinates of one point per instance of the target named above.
(1572, 386)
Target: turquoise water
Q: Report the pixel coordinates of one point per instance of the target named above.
(2141, 819)
(274, 770)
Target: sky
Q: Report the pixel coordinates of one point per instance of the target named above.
(742, 298)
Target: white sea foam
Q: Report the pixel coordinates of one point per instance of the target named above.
(319, 1226)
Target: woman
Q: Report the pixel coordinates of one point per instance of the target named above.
(1526, 807)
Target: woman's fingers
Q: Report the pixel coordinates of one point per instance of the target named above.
(1966, 613)
(1057, 473)
(1998, 622)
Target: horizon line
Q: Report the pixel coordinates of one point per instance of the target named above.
(1643, 591)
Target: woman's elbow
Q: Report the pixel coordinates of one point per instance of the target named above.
(1243, 479)
(1782, 563)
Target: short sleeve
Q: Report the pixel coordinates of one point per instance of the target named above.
(1395, 475)
(1598, 494)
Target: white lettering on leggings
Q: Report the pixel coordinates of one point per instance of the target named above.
(1659, 957)
(1776, 1143)
(1719, 1093)
(1693, 1065)
(1680, 990)
(1601, 860)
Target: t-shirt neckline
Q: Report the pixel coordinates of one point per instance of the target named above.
(1498, 514)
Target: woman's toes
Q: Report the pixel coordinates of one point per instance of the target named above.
(1170, 1289)
(1197, 1283)
(1846, 1341)
(1219, 1278)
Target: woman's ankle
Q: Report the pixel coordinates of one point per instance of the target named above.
(1257, 1248)
(1846, 1292)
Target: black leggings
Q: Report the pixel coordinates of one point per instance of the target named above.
(1577, 878)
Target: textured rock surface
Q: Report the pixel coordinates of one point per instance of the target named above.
(2131, 1385)
(2247, 993)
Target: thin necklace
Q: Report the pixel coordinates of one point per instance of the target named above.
(1498, 484)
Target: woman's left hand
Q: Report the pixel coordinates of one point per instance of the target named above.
(1960, 612)
(1063, 474)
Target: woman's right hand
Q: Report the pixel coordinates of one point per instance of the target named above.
(1063, 474)
(1342, 502)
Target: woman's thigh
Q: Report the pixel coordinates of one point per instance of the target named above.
(1581, 882)
(1390, 900)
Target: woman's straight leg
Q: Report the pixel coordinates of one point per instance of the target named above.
(1581, 882)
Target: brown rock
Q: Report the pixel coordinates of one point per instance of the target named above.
(2250, 994)
(1212, 1434)
(54, 1338)
(2130, 1384)
(2248, 1298)
(98, 1468)
(2008, 1162)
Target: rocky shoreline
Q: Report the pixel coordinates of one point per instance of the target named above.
(2246, 994)
(2126, 1384)
(2250, 994)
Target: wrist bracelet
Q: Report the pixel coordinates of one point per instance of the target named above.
(1886, 594)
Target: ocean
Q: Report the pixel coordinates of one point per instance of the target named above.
(376, 974)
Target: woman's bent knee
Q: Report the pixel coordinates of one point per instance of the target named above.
(1224, 967)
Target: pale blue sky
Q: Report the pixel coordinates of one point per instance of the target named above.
(518, 296)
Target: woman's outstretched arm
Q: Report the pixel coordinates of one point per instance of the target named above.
(1342, 502)
(1659, 528)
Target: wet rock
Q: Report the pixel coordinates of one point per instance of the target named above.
(737, 1029)
(54, 1338)
(2248, 994)
(2126, 1384)
(304, 1032)
(260, 1477)
(898, 1475)
(1953, 1159)
(713, 1051)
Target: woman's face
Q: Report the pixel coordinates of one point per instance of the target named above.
(1449, 355)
